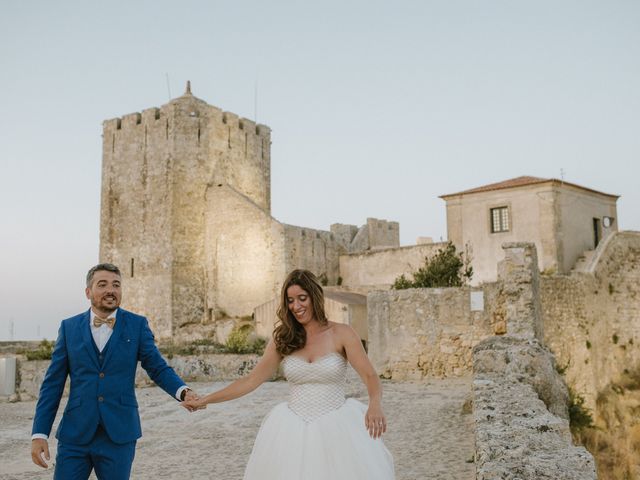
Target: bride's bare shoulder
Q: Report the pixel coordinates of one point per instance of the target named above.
(342, 330)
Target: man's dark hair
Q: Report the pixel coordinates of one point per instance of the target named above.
(109, 267)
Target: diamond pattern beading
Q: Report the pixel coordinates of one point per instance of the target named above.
(316, 388)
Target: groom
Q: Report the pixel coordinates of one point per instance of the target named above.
(99, 350)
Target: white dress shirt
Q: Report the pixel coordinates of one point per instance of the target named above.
(101, 334)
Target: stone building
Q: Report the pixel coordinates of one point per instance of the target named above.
(565, 222)
(186, 214)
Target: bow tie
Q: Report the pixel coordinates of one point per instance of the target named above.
(110, 322)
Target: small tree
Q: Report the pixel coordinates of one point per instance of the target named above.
(447, 268)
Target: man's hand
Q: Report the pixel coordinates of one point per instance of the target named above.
(191, 402)
(38, 447)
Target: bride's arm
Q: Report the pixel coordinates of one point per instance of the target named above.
(374, 419)
(263, 371)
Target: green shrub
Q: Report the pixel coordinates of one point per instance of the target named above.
(579, 416)
(447, 268)
(43, 352)
(239, 341)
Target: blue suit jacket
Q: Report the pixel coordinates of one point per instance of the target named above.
(100, 395)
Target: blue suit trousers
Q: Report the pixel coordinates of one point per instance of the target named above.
(111, 461)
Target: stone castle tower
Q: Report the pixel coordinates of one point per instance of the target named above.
(186, 215)
(157, 168)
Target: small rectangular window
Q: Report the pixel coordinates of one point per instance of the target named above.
(500, 219)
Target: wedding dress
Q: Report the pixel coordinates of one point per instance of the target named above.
(317, 434)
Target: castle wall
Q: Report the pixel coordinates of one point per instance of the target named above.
(428, 332)
(378, 269)
(376, 234)
(344, 234)
(245, 262)
(314, 250)
(383, 234)
(591, 322)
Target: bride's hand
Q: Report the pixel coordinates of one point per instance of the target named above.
(375, 421)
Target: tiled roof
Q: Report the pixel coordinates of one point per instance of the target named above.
(521, 182)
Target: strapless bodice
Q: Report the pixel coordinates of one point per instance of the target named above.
(316, 388)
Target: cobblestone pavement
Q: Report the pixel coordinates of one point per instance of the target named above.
(429, 436)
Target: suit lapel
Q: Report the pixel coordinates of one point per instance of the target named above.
(87, 338)
(116, 336)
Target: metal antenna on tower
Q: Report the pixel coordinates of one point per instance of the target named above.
(562, 174)
(168, 86)
(255, 101)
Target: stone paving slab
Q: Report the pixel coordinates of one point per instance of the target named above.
(429, 436)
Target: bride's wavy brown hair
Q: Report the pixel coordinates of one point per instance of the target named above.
(288, 334)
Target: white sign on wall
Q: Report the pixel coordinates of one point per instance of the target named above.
(477, 301)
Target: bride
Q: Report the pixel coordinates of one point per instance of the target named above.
(317, 434)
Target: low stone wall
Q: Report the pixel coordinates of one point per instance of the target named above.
(428, 332)
(520, 401)
(200, 368)
(378, 269)
(521, 417)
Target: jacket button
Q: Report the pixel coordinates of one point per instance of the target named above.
(101, 399)
(101, 375)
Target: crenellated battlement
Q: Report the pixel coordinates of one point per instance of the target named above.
(190, 107)
(134, 119)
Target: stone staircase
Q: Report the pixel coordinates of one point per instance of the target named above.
(584, 261)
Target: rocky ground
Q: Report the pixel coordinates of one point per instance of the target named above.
(429, 435)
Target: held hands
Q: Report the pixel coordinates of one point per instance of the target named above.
(38, 447)
(375, 421)
(192, 401)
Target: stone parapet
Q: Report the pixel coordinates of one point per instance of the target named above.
(520, 412)
(519, 277)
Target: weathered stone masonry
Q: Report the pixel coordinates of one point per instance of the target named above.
(186, 214)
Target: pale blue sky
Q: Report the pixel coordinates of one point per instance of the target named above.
(376, 108)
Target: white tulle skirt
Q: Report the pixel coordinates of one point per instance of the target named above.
(335, 446)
